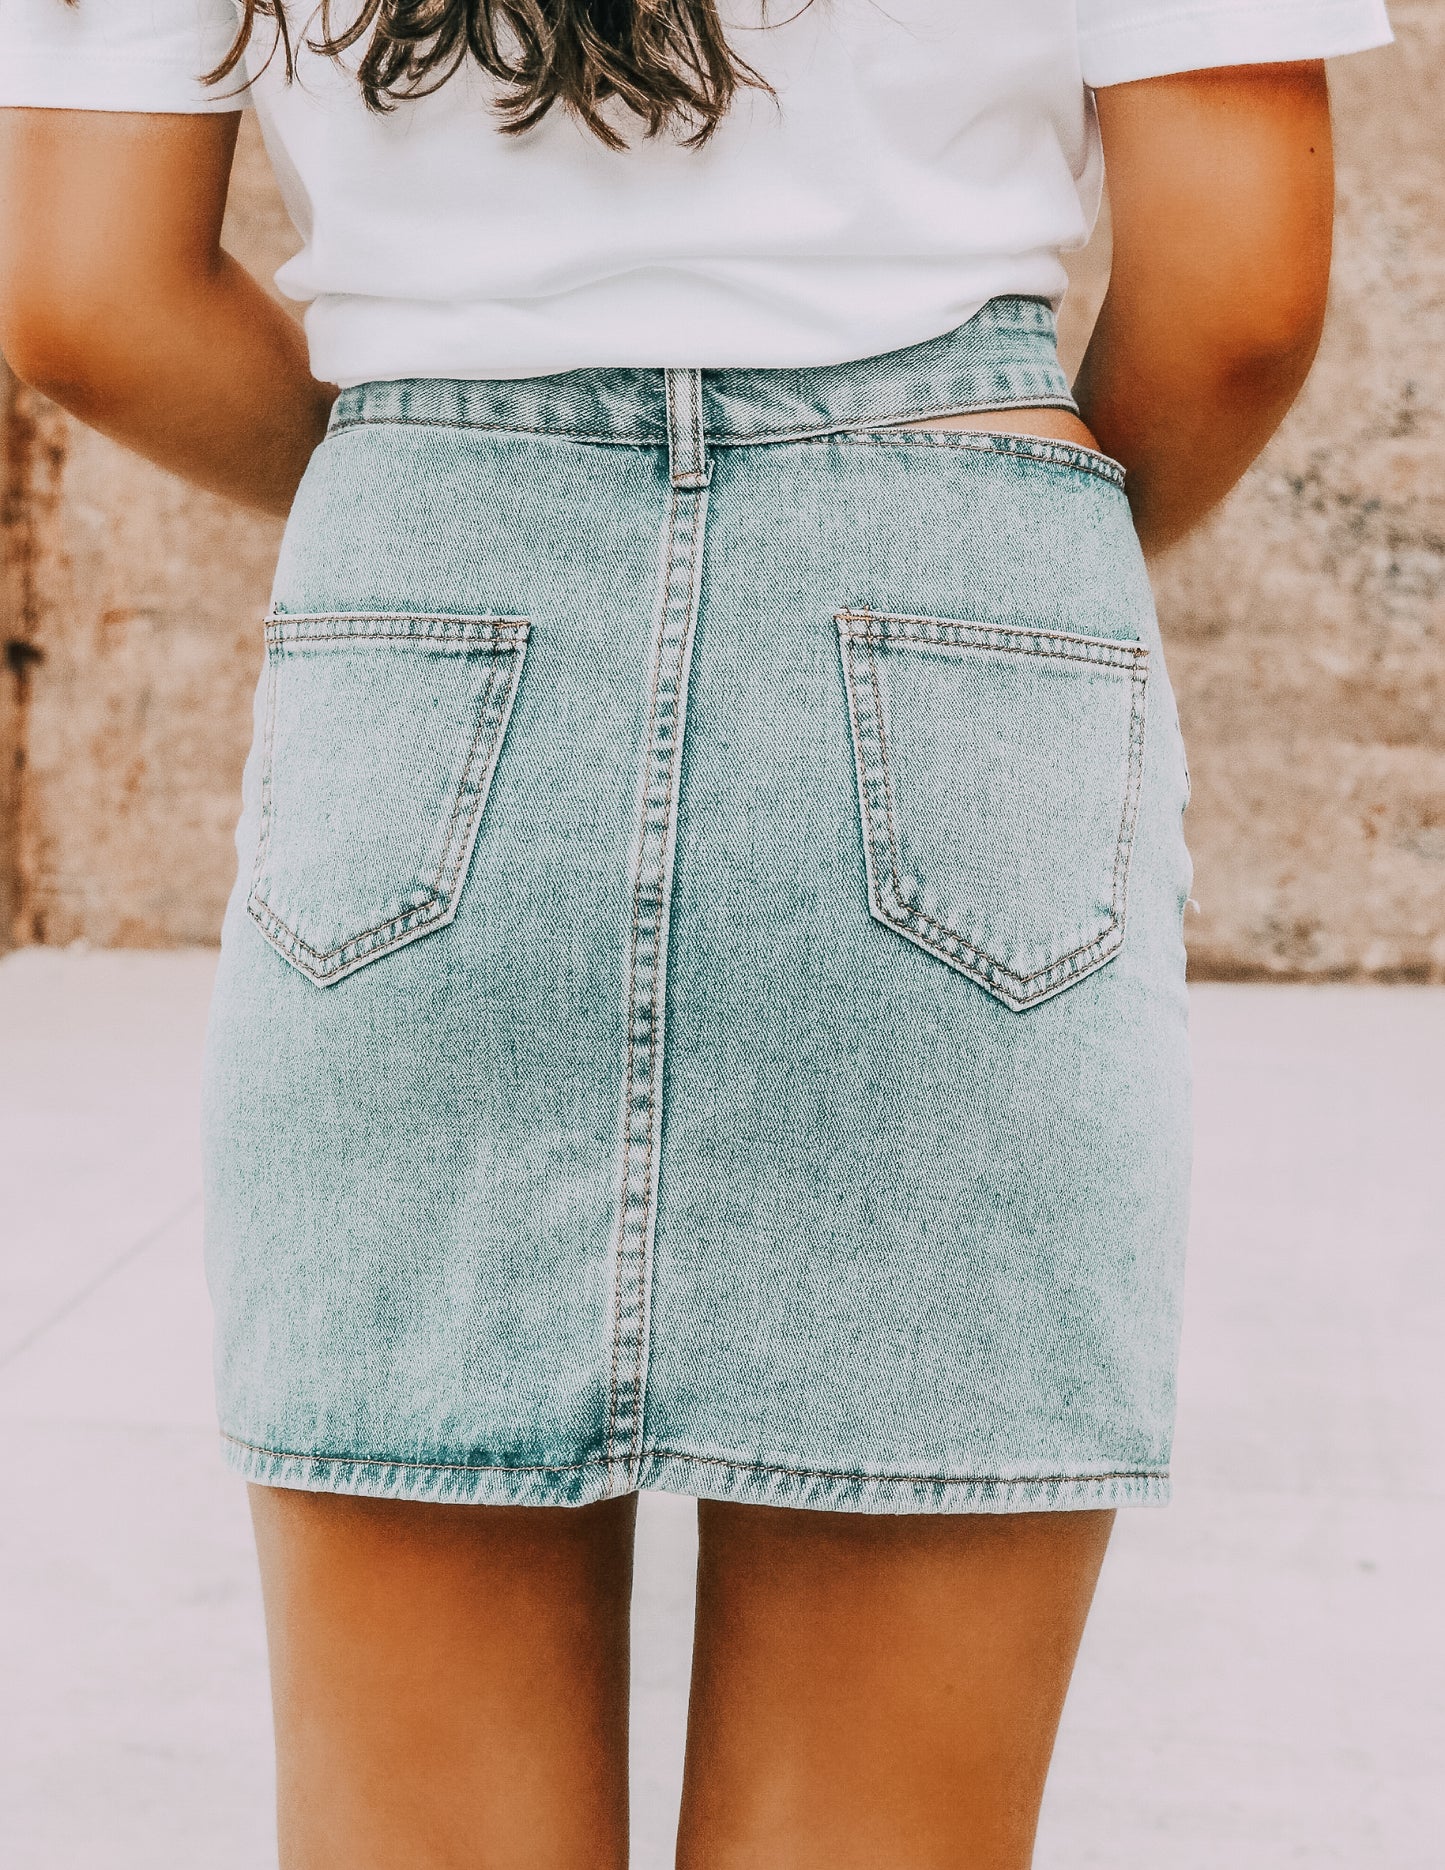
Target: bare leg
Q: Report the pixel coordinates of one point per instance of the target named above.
(450, 1683)
(879, 1693)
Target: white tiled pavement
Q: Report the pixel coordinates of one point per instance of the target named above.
(1263, 1683)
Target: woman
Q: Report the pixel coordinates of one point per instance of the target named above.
(702, 1006)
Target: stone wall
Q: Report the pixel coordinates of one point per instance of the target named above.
(1305, 624)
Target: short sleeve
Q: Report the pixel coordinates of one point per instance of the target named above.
(146, 55)
(1121, 40)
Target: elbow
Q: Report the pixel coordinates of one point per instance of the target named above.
(49, 349)
(1275, 372)
(93, 350)
(1267, 352)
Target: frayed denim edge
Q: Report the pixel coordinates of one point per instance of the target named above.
(701, 1477)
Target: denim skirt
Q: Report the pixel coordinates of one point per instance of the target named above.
(702, 1006)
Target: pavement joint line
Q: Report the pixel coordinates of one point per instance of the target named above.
(13, 1352)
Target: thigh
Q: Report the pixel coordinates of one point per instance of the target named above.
(872, 1690)
(450, 1683)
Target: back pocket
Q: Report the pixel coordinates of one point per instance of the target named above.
(998, 786)
(382, 735)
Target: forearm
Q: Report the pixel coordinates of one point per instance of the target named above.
(208, 378)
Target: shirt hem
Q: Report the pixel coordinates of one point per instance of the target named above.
(351, 351)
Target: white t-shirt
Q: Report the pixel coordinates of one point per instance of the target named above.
(920, 158)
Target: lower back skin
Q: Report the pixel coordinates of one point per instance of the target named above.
(1059, 425)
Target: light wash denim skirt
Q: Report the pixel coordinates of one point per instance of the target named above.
(702, 1005)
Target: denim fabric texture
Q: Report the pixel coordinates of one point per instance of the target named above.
(702, 1005)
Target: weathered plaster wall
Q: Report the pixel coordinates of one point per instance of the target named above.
(1306, 624)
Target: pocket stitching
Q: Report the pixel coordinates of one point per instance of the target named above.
(511, 633)
(954, 634)
(1130, 657)
(446, 629)
(437, 894)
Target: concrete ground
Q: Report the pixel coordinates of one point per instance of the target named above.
(1262, 1683)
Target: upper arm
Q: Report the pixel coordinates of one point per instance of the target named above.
(1221, 190)
(101, 211)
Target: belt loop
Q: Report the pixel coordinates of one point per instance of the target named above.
(686, 444)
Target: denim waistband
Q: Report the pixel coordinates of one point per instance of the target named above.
(1003, 357)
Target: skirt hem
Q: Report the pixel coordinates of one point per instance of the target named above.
(580, 1483)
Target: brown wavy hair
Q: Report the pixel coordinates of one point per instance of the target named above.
(667, 62)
